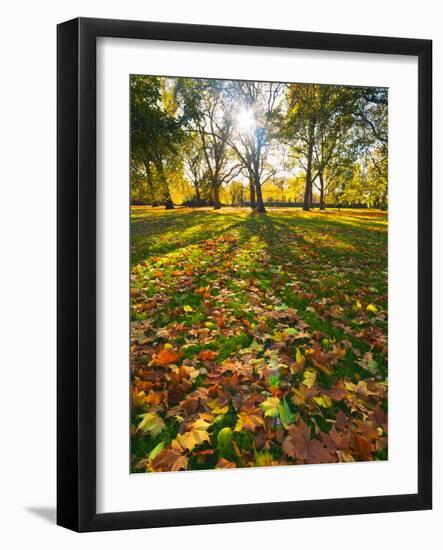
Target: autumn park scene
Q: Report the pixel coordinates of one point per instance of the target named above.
(258, 286)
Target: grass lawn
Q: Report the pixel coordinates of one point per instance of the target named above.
(257, 339)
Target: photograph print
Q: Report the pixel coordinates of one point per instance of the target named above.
(259, 274)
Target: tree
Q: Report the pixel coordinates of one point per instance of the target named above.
(237, 193)
(371, 112)
(159, 114)
(327, 126)
(334, 136)
(256, 107)
(196, 170)
(212, 130)
(303, 111)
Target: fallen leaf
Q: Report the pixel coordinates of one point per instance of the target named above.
(298, 444)
(166, 357)
(151, 423)
(309, 377)
(223, 464)
(249, 421)
(323, 400)
(270, 406)
(208, 355)
(197, 435)
(170, 459)
(286, 415)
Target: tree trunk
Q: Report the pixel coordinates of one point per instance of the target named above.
(149, 190)
(322, 192)
(307, 200)
(260, 205)
(197, 191)
(216, 195)
(167, 200)
(252, 193)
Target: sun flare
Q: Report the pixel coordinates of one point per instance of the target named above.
(245, 120)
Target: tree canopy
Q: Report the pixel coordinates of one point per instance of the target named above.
(213, 142)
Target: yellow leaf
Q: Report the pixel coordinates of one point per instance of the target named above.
(195, 436)
(299, 357)
(168, 346)
(139, 398)
(263, 458)
(372, 308)
(151, 423)
(309, 377)
(323, 401)
(216, 408)
(358, 305)
(249, 421)
(188, 308)
(270, 406)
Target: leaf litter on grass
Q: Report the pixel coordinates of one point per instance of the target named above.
(258, 340)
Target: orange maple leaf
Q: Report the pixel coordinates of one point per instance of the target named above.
(208, 355)
(166, 357)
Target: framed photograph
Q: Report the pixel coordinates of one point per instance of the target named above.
(244, 274)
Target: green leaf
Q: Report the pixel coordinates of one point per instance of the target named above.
(287, 417)
(274, 380)
(224, 438)
(156, 450)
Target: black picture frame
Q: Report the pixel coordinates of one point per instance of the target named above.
(76, 265)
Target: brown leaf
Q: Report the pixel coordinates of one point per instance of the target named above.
(363, 447)
(223, 463)
(298, 444)
(171, 459)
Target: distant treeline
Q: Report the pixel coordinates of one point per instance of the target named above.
(270, 204)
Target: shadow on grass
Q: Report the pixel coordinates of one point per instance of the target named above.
(286, 237)
(287, 234)
(166, 233)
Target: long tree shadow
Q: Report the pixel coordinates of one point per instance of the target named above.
(298, 248)
(170, 232)
(318, 273)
